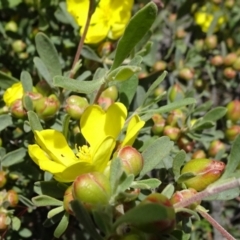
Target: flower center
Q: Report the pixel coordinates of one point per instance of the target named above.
(84, 153)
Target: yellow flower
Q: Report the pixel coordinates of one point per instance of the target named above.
(99, 128)
(13, 93)
(108, 20)
(205, 15)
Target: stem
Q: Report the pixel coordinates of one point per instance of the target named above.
(208, 192)
(100, 90)
(81, 42)
(216, 225)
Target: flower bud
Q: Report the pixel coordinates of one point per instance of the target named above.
(206, 171)
(199, 154)
(43, 88)
(132, 160)
(229, 73)
(230, 59)
(67, 198)
(186, 74)
(215, 147)
(176, 93)
(217, 60)
(172, 132)
(236, 64)
(232, 132)
(211, 42)
(105, 102)
(181, 33)
(75, 106)
(18, 46)
(3, 179)
(105, 48)
(185, 143)
(164, 225)
(159, 66)
(229, 3)
(47, 107)
(17, 109)
(158, 92)
(157, 128)
(233, 111)
(12, 198)
(11, 26)
(200, 84)
(92, 189)
(179, 196)
(199, 44)
(133, 234)
(3, 221)
(34, 97)
(175, 116)
(110, 92)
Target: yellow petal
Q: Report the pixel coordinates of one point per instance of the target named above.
(102, 153)
(71, 172)
(96, 124)
(133, 128)
(13, 93)
(55, 145)
(44, 162)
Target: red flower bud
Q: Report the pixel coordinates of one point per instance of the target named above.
(12, 198)
(3, 179)
(215, 147)
(3, 221)
(75, 106)
(233, 111)
(67, 198)
(174, 116)
(230, 59)
(211, 42)
(172, 132)
(132, 160)
(17, 109)
(217, 60)
(206, 171)
(105, 102)
(92, 189)
(229, 73)
(199, 154)
(105, 48)
(185, 143)
(34, 97)
(232, 132)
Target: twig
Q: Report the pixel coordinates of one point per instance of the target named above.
(81, 42)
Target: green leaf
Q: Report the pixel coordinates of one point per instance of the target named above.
(154, 85)
(34, 121)
(103, 219)
(48, 54)
(55, 211)
(27, 102)
(127, 90)
(201, 125)
(62, 226)
(138, 26)
(184, 177)
(44, 200)
(178, 161)
(84, 218)
(77, 86)
(26, 81)
(25, 233)
(215, 114)
(9, 3)
(6, 80)
(155, 153)
(169, 107)
(26, 201)
(5, 121)
(125, 184)
(143, 214)
(13, 157)
(115, 173)
(65, 129)
(88, 53)
(168, 190)
(150, 183)
(15, 223)
(233, 160)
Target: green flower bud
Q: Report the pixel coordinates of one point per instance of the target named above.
(172, 132)
(175, 116)
(186, 74)
(67, 198)
(206, 171)
(176, 93)
(161, 226)
(92, 189)
(185, 143)
(217, 60)
(236, 64)
(229, 73)
(159, 66)
(34, 97)
(211, 42)
(158, 92)
(11, 26)
(75, 106)
(105, 102)
(230, 59)
(232, 132)
(200, 84)
(43, 88)
(3, 179)
(3, 221)
(47, 107)
(229, 3)
(157, 128)
(12, 198)
(132, 160)
(17, 109)
(199, 44)
(233, 111)
(199, 154)
(18, 46)
(215, 147)
(110, 92)
(133, 234)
